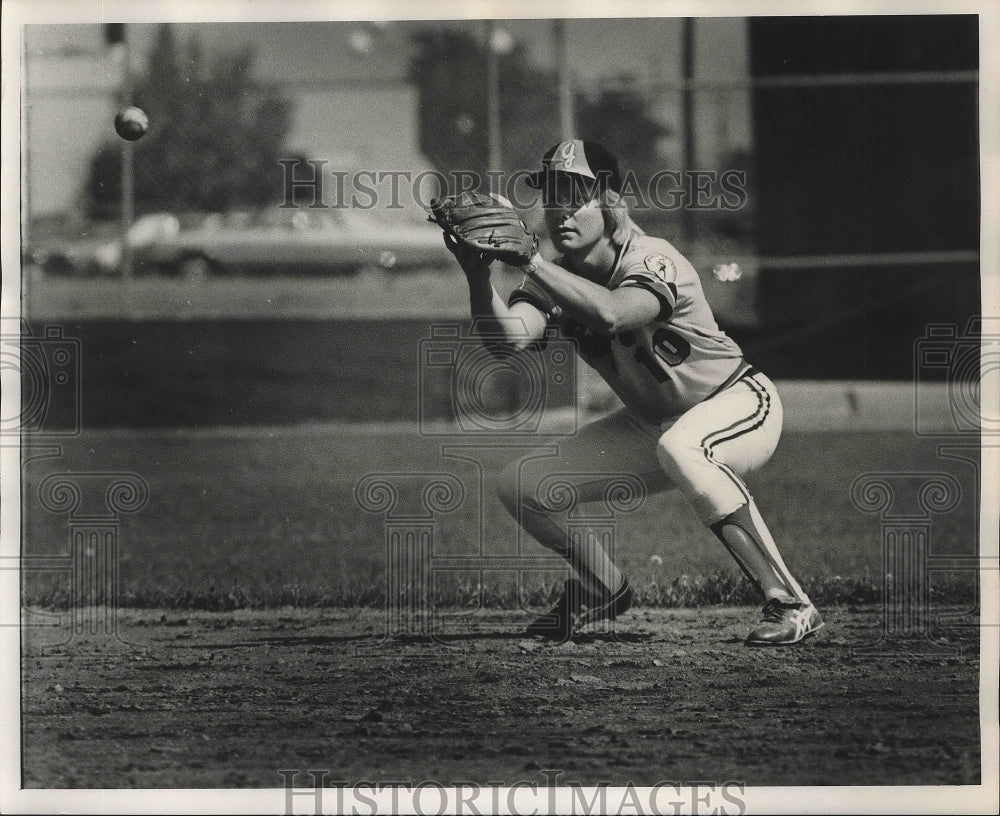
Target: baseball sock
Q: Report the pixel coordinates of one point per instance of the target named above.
(584, 551)
(750, 543)
(597, 571)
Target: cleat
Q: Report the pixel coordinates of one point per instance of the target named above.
(785, 620)
(572, 612)
(609, 609)
(557, 623)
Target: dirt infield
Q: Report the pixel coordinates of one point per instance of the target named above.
(226, 700)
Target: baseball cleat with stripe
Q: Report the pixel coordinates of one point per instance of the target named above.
(575, 610)
(785, 621)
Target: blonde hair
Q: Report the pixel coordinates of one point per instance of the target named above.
(618, 223)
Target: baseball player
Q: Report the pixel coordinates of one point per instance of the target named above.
(697, 416)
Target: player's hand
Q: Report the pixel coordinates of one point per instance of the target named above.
(475, 265)
(486, 223)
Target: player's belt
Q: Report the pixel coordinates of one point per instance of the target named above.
(743, 370)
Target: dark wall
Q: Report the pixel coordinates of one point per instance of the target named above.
(878, 167)
(204, 373)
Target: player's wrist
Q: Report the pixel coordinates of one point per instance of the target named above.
(533, 265)
(477, 274)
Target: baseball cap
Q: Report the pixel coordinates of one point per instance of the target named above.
(580, 158)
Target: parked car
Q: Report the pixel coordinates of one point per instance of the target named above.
(270, 241)
(78, 257)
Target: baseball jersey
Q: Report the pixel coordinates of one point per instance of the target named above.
(662, 369)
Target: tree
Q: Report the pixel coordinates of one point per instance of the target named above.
(449, 70)
(216, 134)
(619, 119)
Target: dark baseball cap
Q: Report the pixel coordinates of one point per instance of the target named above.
(579, 158)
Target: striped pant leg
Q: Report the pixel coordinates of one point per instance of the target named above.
(708, 450)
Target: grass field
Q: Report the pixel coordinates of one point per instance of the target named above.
(264, 517)
(252, 631)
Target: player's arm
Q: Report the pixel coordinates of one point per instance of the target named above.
(520, 324)
(606, 311)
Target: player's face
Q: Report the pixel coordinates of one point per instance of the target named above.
(572, 213)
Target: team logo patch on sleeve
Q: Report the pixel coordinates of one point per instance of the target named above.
(662, 267)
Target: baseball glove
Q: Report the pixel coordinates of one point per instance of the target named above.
(488, 224)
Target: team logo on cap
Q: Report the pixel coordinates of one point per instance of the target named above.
(661, 266)
(568, 154)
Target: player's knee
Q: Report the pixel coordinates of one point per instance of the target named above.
(674, 452)
(516, 497)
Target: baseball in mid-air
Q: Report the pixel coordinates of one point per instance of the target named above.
(361, 42)
(131, 123)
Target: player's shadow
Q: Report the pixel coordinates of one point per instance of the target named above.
(330, 640)
(289, 640)
(612, 637)
(441, 638)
